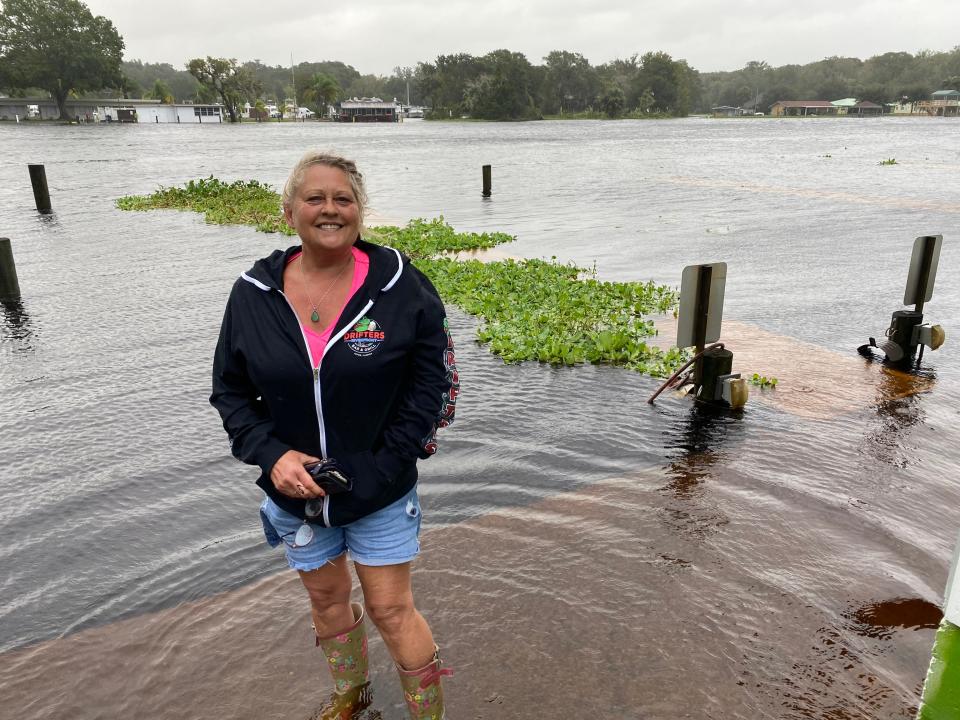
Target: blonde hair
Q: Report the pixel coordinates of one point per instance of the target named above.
(316, 157)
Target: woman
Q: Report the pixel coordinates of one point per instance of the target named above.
(338, 351)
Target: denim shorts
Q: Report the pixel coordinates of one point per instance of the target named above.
(390, 536)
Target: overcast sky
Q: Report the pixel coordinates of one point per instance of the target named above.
(376, 35)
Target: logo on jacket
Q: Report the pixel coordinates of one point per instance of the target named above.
(364, 337)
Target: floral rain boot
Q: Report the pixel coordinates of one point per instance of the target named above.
(346, 654)
(422, 689)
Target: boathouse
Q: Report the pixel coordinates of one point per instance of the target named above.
(369, 110)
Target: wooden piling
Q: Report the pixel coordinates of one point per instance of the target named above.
(487, 180)
(41, 194)
(9, 287)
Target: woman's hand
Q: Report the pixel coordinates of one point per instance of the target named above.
(289, 476)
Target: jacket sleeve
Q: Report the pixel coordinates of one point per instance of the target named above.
(429, 401)
(235, 397)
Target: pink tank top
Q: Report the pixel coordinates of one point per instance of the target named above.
(318, 340)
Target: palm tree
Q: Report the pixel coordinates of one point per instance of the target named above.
(321, 92)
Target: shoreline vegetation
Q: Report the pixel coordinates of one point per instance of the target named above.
(542, 310)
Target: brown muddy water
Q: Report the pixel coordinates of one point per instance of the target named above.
(585, 554)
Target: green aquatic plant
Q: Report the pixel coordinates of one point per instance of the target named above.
(529, 309)
(557, 313)
(421, 238)
(889, 161)
(238, 203)
(762, 381)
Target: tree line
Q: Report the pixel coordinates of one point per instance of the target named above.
(890, 77)
(505, 85)
(501, 85)
(60, 47)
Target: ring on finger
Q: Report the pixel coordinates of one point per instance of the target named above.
(301, 489)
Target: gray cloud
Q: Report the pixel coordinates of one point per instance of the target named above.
(376, 35)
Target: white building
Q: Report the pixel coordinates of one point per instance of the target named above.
(112, 110)
(153, 112)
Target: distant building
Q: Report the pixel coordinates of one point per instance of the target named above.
(858, 108)
(369, 110)
(942, 103)
(843, 105)
(154, 112)
(728, 111)
(784, 108)
(946, 95)
(252, 112)
(865, 108)
(111, 110)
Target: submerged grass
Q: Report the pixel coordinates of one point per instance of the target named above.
(531, 309)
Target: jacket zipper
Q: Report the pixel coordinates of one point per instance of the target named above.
(315, 368)
(317, 401)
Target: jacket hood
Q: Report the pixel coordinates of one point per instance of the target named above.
(386, 266)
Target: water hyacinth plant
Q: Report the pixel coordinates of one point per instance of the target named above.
(762, 381)
(428, 238)
(556, 313)
(530, 309)
(237, 203)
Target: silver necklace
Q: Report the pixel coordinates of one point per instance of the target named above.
(315, 316)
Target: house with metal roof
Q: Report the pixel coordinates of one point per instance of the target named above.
(945, 95)
(844, 103)
(865, 108)
(728, 111)
(857, 108)
(802, 108)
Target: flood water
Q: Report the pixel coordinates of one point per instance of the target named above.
(585, 554)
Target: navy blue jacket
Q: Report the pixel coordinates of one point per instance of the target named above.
(386, 383)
